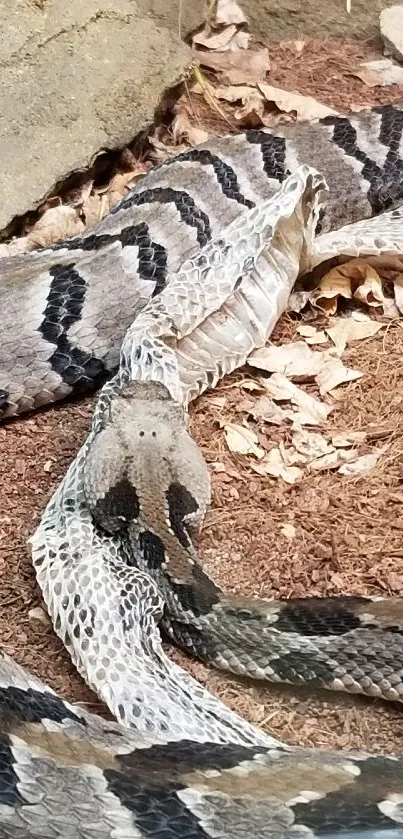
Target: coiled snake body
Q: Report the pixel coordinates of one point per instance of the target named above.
(114, 554)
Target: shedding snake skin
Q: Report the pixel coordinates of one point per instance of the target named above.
(114, 553)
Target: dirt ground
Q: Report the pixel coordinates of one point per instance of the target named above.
(347, 531)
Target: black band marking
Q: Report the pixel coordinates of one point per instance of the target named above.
(118, 507)
(188, 210)
(180, 504)
(386, 182)
(152, 257)
(352, 808)
(78, 369)
(273, 152)
(314, 616)
(225, 174)
(31, 705)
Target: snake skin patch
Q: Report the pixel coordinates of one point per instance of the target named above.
(189, 212)
(302, 668)
(119, 506)
(273, 153)
(152, 257)
(9, 780)
(31, 705)
(78, 369)
(181, 503)
(385, 181)
(315, 616)
(224, 173)
(353, 808)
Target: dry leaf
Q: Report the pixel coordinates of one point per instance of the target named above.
(333, 374)
(390, 307)
(355, 278)
(294, 359)
(228, 12)
(311, 411)
(94, 209)
(250, 384)
(241, 440)
(368, 76)
(348, 438)
(79, 195)
(311, 444)
(398, 289)
(236, 93)
(384, 70)
(297, 301)
(305, 107)
(183, 129)
(345, 330)
(288, 530)
(332, 460)
(39, 614)
(274, 466)
(267, 410)
(236, 68)
(362, 465)
(121, 183)
(15, 247)
(332, 286)
(58, 223)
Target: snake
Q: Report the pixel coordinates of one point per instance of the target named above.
(163, 297)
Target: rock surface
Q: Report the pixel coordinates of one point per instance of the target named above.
(77, 77)
(391, 23)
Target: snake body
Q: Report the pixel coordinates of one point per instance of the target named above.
(114, 554)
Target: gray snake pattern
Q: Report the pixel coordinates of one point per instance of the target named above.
(115, 558)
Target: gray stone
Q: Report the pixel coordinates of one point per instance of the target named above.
(391, 23)
(274, 20)
(79, 76)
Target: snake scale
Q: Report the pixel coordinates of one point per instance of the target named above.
(114, 553)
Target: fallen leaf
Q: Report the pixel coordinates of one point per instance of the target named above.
(355, 278)
(183, 129)
(20, 245)
(333, 374)
(368, 76)
(251, 114)
(274, 466)
(346, 330)
(385, 71)
(319, 338)
(251, 384)
(332, 460)
(121, 183)
(362, 465)
(228, 12)
(348, 438)
(311, 444)
(236, 68)
(241, 440)
(294, 359)
(288, 530)
(236, 93)
(94, 209)
(311, 411)
(39, 614)
(58, 223)
(267, 410)
(297, 301)
(390, 307)
(305, 107)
